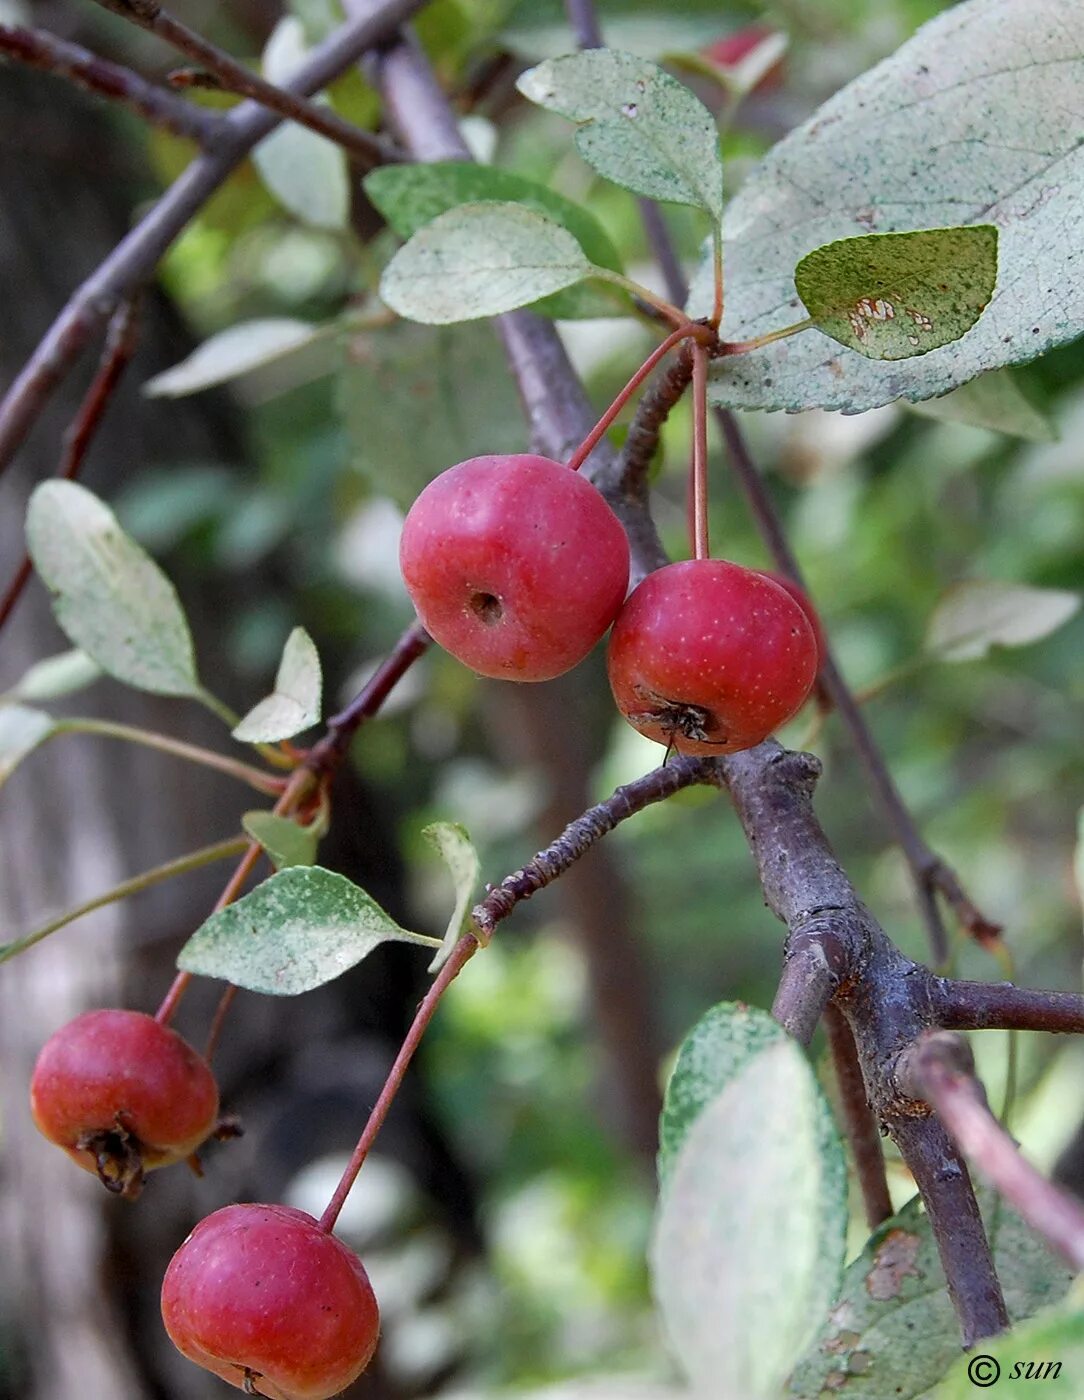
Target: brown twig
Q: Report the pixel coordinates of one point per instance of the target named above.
(861, 1126)
(975, 1006)
(232, 76)
(814, 964)
(39, 49)
(135, 257)
(120, 344)
(324, 757)
(580, 835)
(939, 1069)
(883, 995)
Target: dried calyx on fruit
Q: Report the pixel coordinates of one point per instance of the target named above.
(122, 1095)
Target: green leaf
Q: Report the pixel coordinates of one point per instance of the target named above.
(109, 596)
(301, 928)
(232, 353)
(453, 845)
(1078, 857)
(481, 260)
(459, 374)
(411, 196)
(983, 613)
(717, 1048)
(21, 731)
(973, 121)
(1044, 1356)
(994, 400)
(284, 840)
(893, 1331)
(748, 1247)
(892, 296)
(639, 126)
(56, 676)
(294, 704)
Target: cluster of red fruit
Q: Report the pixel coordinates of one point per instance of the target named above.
(517, 566)
(261, 1295)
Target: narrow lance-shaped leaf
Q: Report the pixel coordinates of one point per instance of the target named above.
(301, 928)
(294, 704)
(411, 196)
(743, 1264)
(231, 353)
(982, 613)
(975, 120)
(109, 596)
(481, 260)
(21, 731)
(453, 845)
(285, 841)
(639, 126)
(892, 1332)
(891, 296)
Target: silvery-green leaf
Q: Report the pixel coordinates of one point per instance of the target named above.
(231, 353)
(981, 613)
(56, 676)
(717, 1048)
(285, 842)
(481, 260)
(307, 174)
(411, 196)
(638, 126)
(294, 704)
(743, 1266)
(21, 731)
(892, 1332)
(454, 847)
(994, 400)
(299, 929)
(973, 121)
(1043, 1356)
(891, 296)
(109, 596)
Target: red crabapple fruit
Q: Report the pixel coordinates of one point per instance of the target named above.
(802, 598)
(122, 1095)
(515, 564)
(261, 1296)
(709, 658)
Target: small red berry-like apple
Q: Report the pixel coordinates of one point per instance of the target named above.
(122, 1095)
(802, 598)
(708, 658)
(515, 564)
(263, 1297)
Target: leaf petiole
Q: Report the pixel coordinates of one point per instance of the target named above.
(206, 855)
